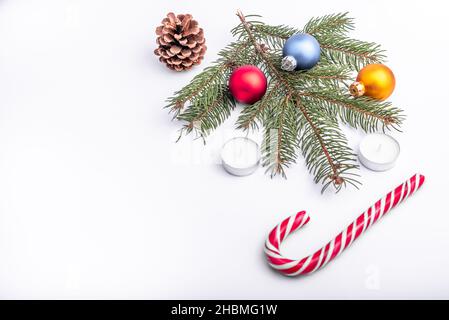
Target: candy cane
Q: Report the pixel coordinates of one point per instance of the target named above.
(335, 247)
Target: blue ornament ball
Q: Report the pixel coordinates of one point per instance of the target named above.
(300, 52)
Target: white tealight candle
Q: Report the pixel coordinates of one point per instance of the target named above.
(378, 152)
(240, 156)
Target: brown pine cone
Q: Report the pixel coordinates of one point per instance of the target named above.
(181, 42)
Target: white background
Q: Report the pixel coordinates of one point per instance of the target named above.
(97, 201)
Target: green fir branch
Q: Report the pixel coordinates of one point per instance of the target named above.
(365, 113)
(325, 149)
(350, 52)
(334, 24)
(208, 113)
(280, 144)
(214, 76)
(300, 110)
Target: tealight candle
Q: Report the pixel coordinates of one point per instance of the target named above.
(378, 152)
(240, 156)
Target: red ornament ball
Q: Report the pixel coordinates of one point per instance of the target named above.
(247, 84)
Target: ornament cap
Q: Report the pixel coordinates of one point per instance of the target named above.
(357, 89)
(289, 63)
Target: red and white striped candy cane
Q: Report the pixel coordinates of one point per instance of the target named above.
(344, 239)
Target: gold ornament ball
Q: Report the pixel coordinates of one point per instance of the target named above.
(375, 80)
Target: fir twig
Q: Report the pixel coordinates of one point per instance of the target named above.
(368, 114)
(300, 110)
(336, 24)
(350, 52)
(327, 155)
(210, 77)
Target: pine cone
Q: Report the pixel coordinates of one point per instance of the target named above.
(181, 42)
